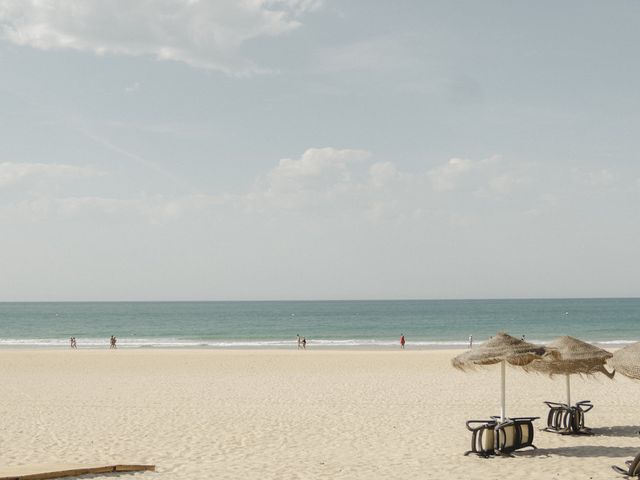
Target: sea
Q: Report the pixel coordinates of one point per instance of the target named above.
(426, 324)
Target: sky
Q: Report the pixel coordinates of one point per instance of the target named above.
(319, 149)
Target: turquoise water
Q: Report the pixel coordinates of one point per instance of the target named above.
(327, 324)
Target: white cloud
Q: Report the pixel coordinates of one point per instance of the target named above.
(504, 184)
(325, 182)
(382, 173)
(154, 209)
(489, 176)
(14, 173)
(206, 34)
(444, 177)
(317, 168)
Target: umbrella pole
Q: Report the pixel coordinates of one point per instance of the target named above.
(568, 391)
(502, 382)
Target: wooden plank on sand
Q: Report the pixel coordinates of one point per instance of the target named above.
(75, 472)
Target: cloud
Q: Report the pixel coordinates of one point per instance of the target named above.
(489, 176)
(204, 34)
(330, 181)
(454, 172)
(382, 173)
(444, 177)
(504, 184)
(320, 183)
(315, 169)
(14, 173)
(154, 209)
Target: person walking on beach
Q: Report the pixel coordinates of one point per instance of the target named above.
(299, 341)
(402, 341)
(304, 343)
(470, 341)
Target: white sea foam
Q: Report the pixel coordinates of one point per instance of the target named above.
(614, 342)
(199, 343)
(230, 344)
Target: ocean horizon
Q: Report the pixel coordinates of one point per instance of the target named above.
(339, 324)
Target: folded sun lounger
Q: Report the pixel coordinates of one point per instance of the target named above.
(482, 437)
(567, 420)
(493, 437)
(633, 467)
(514, 434)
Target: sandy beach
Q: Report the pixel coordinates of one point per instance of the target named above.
(294, 415)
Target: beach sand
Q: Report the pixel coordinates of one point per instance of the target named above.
(294, 415)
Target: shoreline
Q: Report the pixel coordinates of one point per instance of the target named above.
(169, 350)
(261, 346)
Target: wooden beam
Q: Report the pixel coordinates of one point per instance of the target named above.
(81, 471)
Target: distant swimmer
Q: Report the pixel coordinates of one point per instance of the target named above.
(402, 341)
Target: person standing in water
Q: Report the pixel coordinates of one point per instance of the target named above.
(470, 341)
(402, 341)
(299, 341)
(304, 343)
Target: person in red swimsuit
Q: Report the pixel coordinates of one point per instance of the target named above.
(402, 341)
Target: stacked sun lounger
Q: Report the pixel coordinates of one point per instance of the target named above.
(496, 437)
(568, 420)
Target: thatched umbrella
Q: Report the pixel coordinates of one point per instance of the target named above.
(575, 357)
(627, 361)
(502, 349)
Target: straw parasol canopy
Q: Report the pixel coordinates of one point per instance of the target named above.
(575, 357)
(503, 349)
(627, 361)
